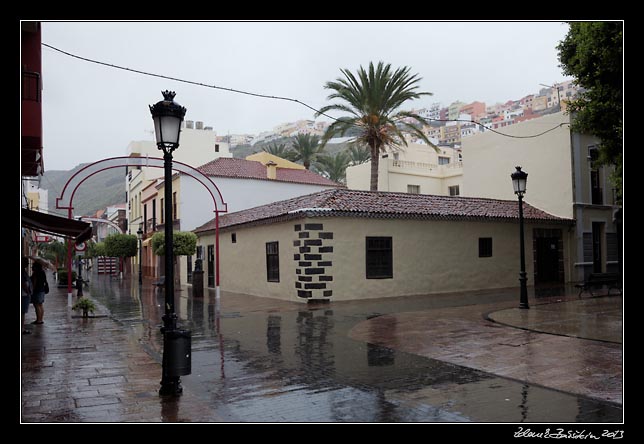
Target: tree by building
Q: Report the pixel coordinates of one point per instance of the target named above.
(54, 251)
(184, 243)
(96, 249)
(373, 99)
(306, 148)
(280, 150)
(358, 154)
(121, 245)
(334, 167)
(592, 53)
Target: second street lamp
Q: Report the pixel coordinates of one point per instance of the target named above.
(139, 234)
(519, 180)
(167, 116)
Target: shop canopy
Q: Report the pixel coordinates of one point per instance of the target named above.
(60, 226)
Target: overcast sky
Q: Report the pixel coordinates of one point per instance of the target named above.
(91, 112)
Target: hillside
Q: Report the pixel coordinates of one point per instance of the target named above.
(99, 191)
(108, 187)
(241, 151)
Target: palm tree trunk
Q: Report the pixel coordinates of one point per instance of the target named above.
(375, 160)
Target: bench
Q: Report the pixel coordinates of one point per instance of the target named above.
(611, 280)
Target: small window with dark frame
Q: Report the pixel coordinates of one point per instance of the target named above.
(379, 258)
(454, 190)
(233, 238)
(272, 262)
(485, 247)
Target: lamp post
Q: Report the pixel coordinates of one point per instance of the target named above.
(519, 179)
(167, 116)
(139, 234)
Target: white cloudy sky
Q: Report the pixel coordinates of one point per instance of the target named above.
(91, 112)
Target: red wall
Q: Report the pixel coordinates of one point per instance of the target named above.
(31, 109)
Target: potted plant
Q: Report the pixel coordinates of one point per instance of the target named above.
(86, 305)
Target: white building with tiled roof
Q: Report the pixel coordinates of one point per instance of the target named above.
(345, 244)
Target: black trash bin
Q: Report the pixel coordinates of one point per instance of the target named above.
(177, 350)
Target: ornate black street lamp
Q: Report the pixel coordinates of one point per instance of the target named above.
(519, 180)
(139, 234)
(167, 116)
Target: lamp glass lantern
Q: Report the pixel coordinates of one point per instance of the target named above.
(167, 116)
(519, 181)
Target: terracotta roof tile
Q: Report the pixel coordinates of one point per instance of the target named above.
(249, 169)
(343, 202)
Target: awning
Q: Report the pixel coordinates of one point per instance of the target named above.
(48, 223)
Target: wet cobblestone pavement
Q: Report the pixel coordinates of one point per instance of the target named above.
(414, 359)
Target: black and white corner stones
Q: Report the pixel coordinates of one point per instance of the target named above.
(313, 264)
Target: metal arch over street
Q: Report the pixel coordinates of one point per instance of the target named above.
(67, 195)
(103, 221)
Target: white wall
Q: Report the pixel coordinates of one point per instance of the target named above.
(490, 158)
(197, 147)
(196, 205)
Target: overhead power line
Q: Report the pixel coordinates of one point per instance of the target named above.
(266, 96)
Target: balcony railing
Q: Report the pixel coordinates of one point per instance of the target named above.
(150, 225)
(430, 168)
(176, 225)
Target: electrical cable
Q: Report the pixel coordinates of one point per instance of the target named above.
(275, 97)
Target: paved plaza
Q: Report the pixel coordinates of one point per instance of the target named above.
(469, 357)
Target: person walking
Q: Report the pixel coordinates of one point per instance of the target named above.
(26, 290)
(39, 281)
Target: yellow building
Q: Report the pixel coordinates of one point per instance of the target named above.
(415, 169)
(344, 245)
(561, 180)
(266, 158)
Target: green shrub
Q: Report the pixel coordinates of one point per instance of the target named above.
(184, 243)
(62, 276)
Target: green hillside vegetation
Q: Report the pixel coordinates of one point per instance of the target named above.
(99, 191)
(241, 151)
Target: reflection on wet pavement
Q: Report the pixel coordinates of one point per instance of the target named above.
(598, 319)
(262, 360)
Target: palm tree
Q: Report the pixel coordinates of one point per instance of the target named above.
(372, 100)
(358, 154)
(54, 251)
(334, 167)
(279, 150)
(306, 148)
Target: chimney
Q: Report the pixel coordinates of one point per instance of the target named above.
(189, 124)
(198, 125)
(271, 170)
